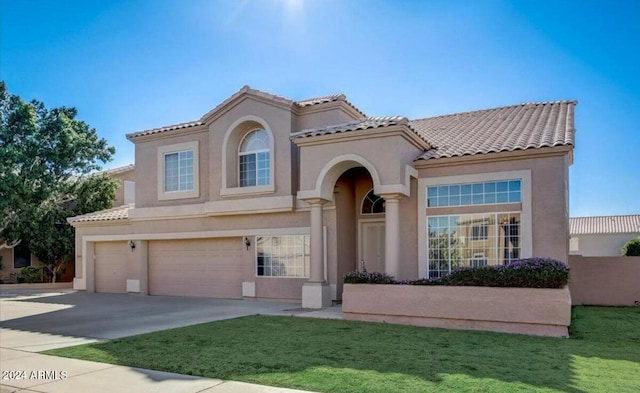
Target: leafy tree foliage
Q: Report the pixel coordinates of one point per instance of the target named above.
(631, 248)
(47, 158)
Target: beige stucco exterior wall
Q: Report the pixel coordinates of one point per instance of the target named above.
(601, 245)
(121, 178)
(314, 116)
(606, 281)
(146, 173)
(549, 199)
(7, 264)
(389, 155)
(278, 120)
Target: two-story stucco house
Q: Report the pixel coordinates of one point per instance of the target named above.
(267, 197)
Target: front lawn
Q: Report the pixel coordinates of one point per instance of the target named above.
(602, 355)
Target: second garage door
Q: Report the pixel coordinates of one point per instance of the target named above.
(207, 267)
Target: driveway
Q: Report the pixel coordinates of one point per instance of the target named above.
(45, 321)
(32, 321)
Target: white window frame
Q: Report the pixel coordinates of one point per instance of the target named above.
(362, 204)
(254, 153)
(495, 238)
(229, 149)
(172, 149)
(526, 221)
(255, 260)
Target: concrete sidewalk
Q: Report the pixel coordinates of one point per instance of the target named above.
(33, 372)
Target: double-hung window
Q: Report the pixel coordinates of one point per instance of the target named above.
(254, 159)
(178, 171)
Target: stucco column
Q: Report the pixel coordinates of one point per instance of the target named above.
(317, 246)
(392, 234)
(316, 292)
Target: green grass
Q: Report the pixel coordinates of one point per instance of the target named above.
(602, 355)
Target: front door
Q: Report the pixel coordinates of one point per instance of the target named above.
(372, 245)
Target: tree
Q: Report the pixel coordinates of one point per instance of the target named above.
(47, 158)
(631, 248)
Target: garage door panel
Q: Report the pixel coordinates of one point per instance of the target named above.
(111, 267)
(210, 268)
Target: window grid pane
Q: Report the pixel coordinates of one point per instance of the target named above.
(472, 240)
(282, 256)
(178, 171)
(485, 193)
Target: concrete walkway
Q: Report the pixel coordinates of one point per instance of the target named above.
(33, 322)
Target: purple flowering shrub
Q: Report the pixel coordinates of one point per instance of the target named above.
(523, 273)
(365, 277)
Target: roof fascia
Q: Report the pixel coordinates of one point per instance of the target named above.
(169, 134)
(239, 97)
(541, 152)
(396, 130)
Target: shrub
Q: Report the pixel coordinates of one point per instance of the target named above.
(31, 274)
(631, 248)
(524, 273)
(365, 277)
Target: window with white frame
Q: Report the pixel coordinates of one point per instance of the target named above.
(282, 256)
(472, 240)
(254, 159)
(481, 193)
(178, 171)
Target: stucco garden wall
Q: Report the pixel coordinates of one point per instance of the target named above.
(606, 281)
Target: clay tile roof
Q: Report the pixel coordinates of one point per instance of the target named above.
(121, 169)
(604, 225)
(356, 125)
(517, 127)
(165, 129)
(113, 214)
(326, 99)
(321, 100)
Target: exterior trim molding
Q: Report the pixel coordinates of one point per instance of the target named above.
(178, 147)
(225, 190)
(526, 218)
(402, 131)
(250, 206)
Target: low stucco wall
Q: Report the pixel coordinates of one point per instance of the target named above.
(535, 311)
(604, 281)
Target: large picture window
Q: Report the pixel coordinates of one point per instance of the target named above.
(472, 240)
(178, 171)
(282, 256)
(254, 159)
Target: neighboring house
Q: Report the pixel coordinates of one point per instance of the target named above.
(267, 197)
(602, 236)
(14, 259)
(125, 193)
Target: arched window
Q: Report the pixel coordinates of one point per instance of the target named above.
(253, 159)
(372, 203)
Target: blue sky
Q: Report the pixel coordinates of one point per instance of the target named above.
(133, 65)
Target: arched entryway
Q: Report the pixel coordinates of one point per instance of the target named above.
(360, 224)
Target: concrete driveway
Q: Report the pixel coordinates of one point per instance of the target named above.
(44, 321)
(32, 321)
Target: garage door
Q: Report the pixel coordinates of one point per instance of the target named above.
(111, 267)
(208, 267)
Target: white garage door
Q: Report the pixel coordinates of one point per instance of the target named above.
(207, 267)
(111, 267)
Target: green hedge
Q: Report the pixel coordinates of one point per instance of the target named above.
(631, 248)
(523, 273)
